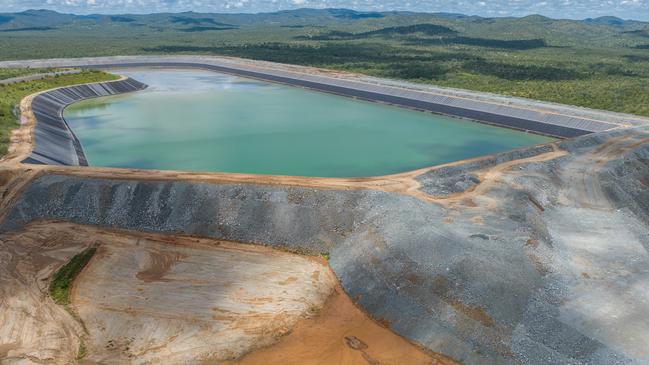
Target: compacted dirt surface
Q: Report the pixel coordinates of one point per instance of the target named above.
(341, 334)
(152, 299)
(533, 256)
(179, 300)
(33, 329)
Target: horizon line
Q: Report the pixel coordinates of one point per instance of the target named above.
(325, 9)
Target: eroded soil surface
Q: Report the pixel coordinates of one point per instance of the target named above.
(152, 299)
(178, 300)
(341, 334)
(33, 329)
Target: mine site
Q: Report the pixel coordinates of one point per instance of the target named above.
(216, 209)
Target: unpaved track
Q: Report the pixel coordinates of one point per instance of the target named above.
(582, 184)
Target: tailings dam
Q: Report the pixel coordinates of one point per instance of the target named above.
(534, 255)
(196, 120)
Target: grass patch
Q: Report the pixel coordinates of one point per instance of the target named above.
(62, 282)
(7, 73)
(83, 350)
(11, 95)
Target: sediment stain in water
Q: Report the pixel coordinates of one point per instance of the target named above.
(203, 121)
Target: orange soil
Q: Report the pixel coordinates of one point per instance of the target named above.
(341, 334)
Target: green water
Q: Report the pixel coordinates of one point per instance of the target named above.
(202, 121)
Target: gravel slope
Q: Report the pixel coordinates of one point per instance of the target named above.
(543, 259)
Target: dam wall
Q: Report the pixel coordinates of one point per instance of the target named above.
(54, 142)
(497, 286)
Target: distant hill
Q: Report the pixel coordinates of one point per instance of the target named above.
(607, 20)
(45, 18)
(410, 28)
(598, 62)
(201, 31)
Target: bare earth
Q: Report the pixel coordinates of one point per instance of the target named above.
(542, 260)
(341, 334)
(152, 299)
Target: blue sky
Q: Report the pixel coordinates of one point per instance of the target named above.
(578, 9)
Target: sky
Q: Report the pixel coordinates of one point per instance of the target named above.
(575, 9)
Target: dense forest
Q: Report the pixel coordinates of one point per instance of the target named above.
(599, 63)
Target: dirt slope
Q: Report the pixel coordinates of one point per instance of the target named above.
(341, 334)
(151, 299)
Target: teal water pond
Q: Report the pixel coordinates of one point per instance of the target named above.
(203, 121)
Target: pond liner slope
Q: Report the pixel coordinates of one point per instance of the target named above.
(54, 141)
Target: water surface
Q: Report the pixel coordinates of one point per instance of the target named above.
(203, 121)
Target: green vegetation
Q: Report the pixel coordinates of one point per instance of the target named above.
(599, 63)
(424, 29)
(62, 282)
(83, 350)
(10, 95)
(7, 73)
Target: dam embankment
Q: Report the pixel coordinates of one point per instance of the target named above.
(544, 118)
(54, 142)
(501, 272)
